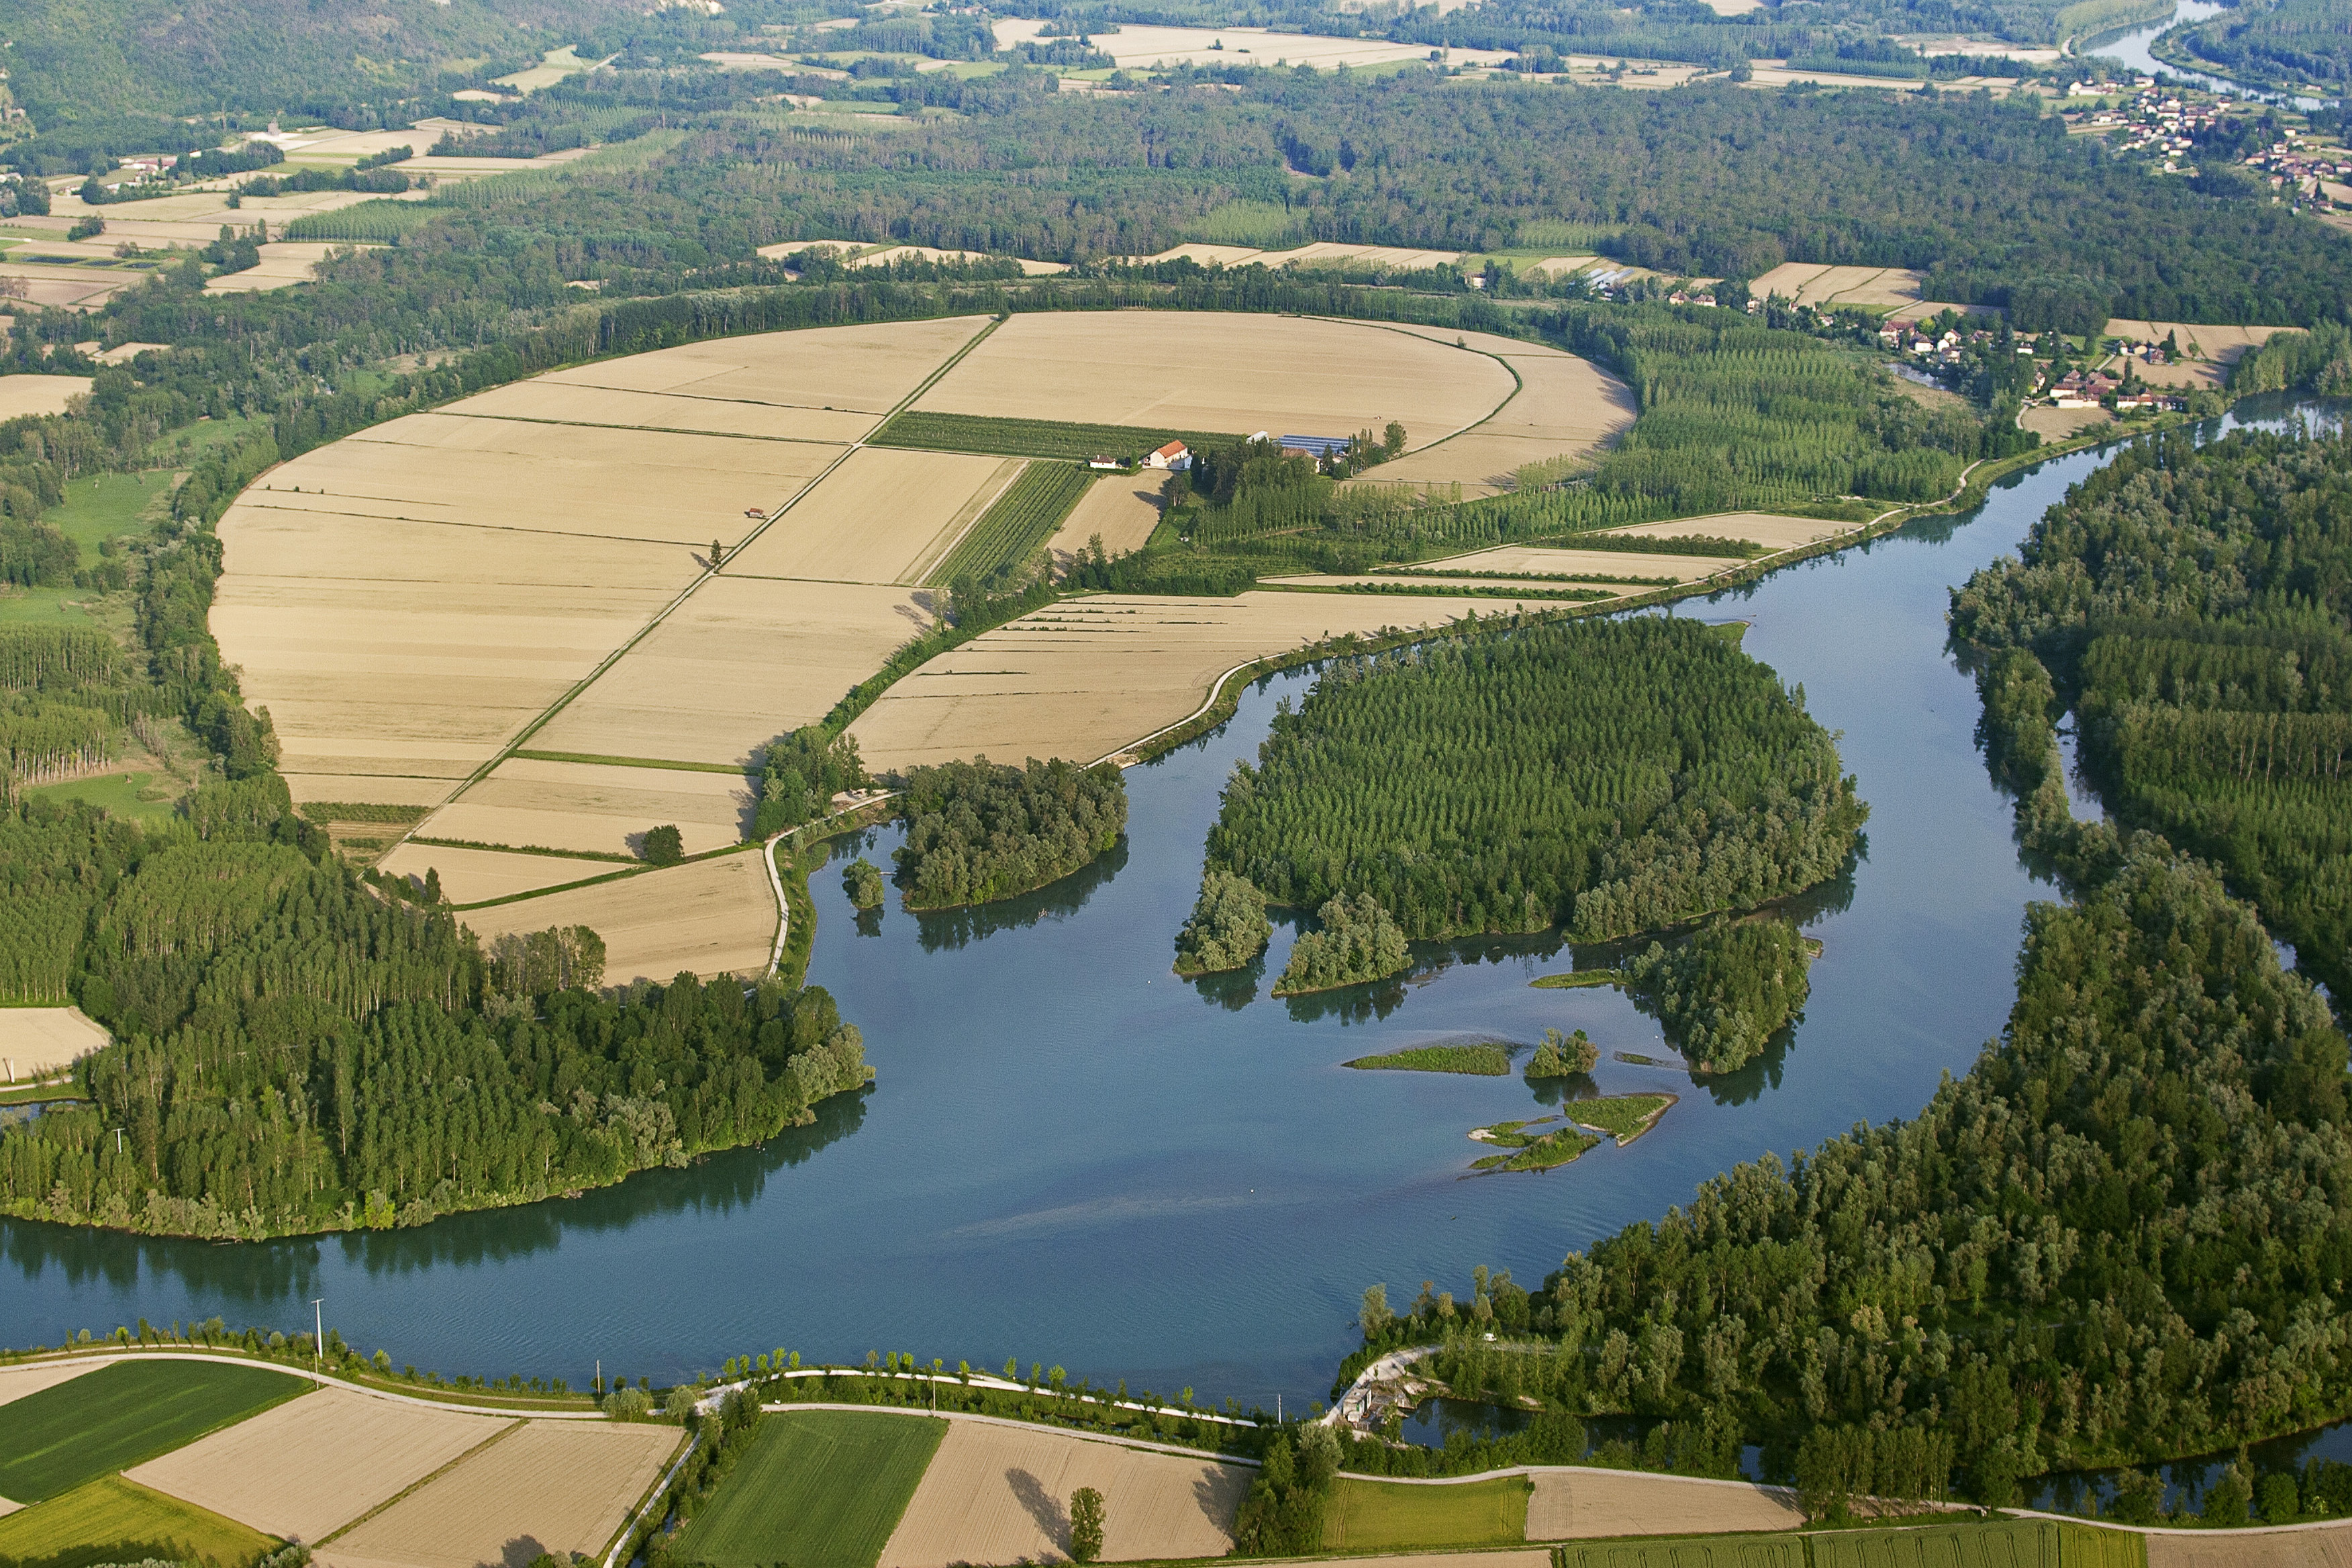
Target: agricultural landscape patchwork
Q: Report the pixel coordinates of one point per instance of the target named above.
(687, 691)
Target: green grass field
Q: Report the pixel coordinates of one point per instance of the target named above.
(1739, 1552)
(113, 1521)
(122, 1415)
(122, 794)
(1385, 1516)
(1483, 1061)
(1032, 437)
(820, 1488)
(1018, 524)
(106, 506)
(1623, 1117)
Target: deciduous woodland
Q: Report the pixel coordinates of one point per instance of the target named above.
(978, 832)
(2190, 606)
(1610, 777)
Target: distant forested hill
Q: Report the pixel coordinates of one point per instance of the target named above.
(76, 60)
(2289, 43)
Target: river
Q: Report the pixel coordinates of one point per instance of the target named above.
(1073, 1156)
(2131, 47)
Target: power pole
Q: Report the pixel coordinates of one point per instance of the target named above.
(319, 1340)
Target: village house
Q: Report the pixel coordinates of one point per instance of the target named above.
(1175, 458)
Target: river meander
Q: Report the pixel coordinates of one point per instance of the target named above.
(1074, 1157)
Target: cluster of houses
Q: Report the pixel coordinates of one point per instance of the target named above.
(1909, 337)
(2302, 168)
(2090, 389)
(2156, 122)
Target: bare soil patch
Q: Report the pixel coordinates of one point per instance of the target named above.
(1568, 1504)
(37, 1040)
(16, 1382)
(709, 917)
(1210, 372)
(739, 663)
(555, 1486)
(2058, 423)
(309, 1466)
(998, 1494)
(2242, 1549)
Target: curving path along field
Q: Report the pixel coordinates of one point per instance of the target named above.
(506, 613)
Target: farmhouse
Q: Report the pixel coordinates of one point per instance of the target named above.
(1175, 456)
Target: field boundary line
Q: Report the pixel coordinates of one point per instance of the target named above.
(324, 1379)
(1519, 382)
(650, 429)
(508, 1430)
(1203, 1455)
(918, 574)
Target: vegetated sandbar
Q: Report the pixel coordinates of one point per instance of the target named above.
(1481, 1058)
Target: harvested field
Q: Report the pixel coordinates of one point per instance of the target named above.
(1765, 528)
(1329, 253)
(711, 917)
(1889, 288)
(527, 803)
(820, 1488)
(283, 264)
(2329, 1548)
(1414, 583)
(552, 403)
(23, 395)
(16, 1382)
(313, 1465)
(1564, 404)
(1570, 1502)
(552, 1486)
(739, 663)
(1134, 45)
(370, 680)
(996, 1494)
(34, 1041)
(889, 254)
(867, 370)
(1384, 1516)
(1209, 255)
(882, 516)
(2058, 423)
(470, 876)
(1546, 561)
(111, 1520)
(1082, 679)
(417, 792)
(1123, 510)
(647, 485)
(71, 1432)
(1211, 372)
(2220, 346)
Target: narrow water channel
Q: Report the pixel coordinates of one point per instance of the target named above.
(1072, 1156)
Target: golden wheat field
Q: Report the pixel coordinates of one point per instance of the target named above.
(306, 1468)
(867, 369)
(599, 807)
(554, 403)
(882, 516)
(36, 1040)
(1084, 679)
(1509, 560)
(1226, 372)
(2268, 1548)
(999, 1494)
(1569, 1504)
(709, 917)
(1893, 288)
(742, 661)
(552, 1486)
(1121, 508)
(1564, 406)
(23, 395)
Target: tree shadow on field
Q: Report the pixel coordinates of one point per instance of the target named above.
(1043, 1506)
(519, 1553)
(1219, 1495)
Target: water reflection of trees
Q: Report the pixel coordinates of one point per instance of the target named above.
(255, 1279)
(947, 929)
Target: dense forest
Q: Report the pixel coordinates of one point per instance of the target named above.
(2192, 606)
(977, 832)
(1725, 990)
(2118, 1237)
(1608, 776)
(2284, 44)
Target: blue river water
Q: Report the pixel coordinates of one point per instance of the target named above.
(1074, 1157)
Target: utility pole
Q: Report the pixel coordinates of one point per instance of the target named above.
(319, 1340)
